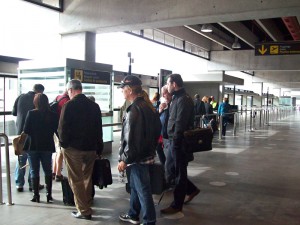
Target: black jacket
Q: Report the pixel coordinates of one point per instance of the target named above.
(140, 133)
(181, 118)
(199, 108)
(181, 114)
(80, 125)
(40, 127)
(22, 105)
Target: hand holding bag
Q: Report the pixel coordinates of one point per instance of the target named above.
(198, 140)
(18, 143)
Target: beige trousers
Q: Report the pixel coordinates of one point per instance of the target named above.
(80, 166)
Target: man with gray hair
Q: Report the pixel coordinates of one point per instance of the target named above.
(80, 135)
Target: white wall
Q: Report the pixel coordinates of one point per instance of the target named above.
(149, 57)
(27, 30)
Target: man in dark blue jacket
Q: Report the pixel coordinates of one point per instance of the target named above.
(181, 118)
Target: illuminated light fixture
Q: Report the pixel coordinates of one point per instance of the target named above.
(206, 28)
(236, 44)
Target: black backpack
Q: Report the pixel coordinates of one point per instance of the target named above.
(54, 104)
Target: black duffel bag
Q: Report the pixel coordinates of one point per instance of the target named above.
(198, 140)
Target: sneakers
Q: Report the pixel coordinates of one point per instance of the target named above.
(78, 215)
(126, 218)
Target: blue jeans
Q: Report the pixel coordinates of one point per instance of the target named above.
(141, 197)
(20, 173)
(176, 165)
(169, 165)
(35, 158)
(224, 125)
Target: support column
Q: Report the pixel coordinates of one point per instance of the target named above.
(81, 46)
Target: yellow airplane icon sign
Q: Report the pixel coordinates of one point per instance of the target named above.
(274, 49)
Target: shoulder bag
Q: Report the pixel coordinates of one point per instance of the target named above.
(18, 143)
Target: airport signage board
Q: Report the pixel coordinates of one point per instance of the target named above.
(277, 48)
(91, 77)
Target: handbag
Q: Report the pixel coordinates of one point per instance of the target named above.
(18, 143)
(198, 140)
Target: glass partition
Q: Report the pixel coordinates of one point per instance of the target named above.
(53, 80)
(101, 93)
(8, 94)
(95, 77)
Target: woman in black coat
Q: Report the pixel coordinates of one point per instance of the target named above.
(40, 125)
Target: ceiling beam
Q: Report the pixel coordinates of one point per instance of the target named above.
(241, 31)
(213, 36)
(271, 29)
(188, 35)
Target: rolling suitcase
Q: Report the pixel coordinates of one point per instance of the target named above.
(102, 173)
(68, 196)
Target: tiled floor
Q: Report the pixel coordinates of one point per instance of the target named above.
(250, 179)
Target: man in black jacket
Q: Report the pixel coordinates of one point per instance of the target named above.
(80, 136)
(181, 118)
(140, 132)
(22, 105)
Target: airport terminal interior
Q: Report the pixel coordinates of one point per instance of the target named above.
(250, 178)
(246, 51)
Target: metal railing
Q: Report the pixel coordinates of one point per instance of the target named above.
(111, 124)
(250, 118)
(8, 180)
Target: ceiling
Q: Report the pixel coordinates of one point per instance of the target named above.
(250, 32)
(251, 22)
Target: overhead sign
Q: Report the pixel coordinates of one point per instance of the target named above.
(277, 48)
(91, 77)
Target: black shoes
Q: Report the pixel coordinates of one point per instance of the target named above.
(59, 178)
(36, 198)
(20, 189)
(78, 215)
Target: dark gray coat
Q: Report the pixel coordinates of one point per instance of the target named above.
(22, 105)
(181, 119)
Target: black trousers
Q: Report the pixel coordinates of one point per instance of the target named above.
(177, 163)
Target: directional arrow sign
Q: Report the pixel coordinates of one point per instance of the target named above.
(262, 50)
(277, 48)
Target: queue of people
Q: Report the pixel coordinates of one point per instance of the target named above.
(147, 129)
(209, 111)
